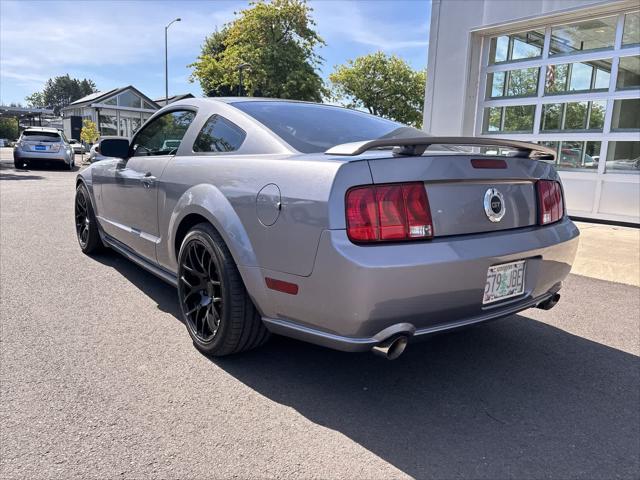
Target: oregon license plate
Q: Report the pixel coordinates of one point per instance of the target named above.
(504, 281)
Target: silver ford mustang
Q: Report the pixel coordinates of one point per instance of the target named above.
(327, 224)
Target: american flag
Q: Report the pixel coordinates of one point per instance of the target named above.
(551, 76)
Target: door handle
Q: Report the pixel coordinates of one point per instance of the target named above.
(148, 180)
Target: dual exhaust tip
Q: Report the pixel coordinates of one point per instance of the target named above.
(391, 349)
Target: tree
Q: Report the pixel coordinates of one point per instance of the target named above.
(89, 132)
(276, 43)
(9, 128)
(60, 91)
(384, 85)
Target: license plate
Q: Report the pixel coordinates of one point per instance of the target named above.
(504, 281)
(40, 147)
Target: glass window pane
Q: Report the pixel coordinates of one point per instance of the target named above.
(623, 157)
(516, 46)
(570, 155)
(629, 72)
(596, 117)
(527, 45)
(492, 119)
(149, 106)
(519, 83)
(108, 122)
(111, 101)
(519, 118)
(219, 135)
(631, 32)
(522, 82)
(129, 99)
(495, 84)
(591, 155)
(580, 76)
(499, 49)
(552, 116)
(163, 135)
(626, 114)
(583, 36)
(556, 79)
(576, 116)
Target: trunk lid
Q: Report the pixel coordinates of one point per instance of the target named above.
(457, 190)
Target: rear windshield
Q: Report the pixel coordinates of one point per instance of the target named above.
(36, 136)
(312, 128)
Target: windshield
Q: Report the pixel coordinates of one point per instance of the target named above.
(313, 128)
(37, 136)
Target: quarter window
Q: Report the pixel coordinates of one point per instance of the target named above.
(219, 135)
(163, 135)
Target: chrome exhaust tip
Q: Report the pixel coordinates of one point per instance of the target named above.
(550, 303)
(391, 349)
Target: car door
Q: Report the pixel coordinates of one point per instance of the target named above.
(129, 187)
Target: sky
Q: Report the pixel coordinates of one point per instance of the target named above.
(121, 42)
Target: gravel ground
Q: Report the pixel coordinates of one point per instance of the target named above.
(100, 380)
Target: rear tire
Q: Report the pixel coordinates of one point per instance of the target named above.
(18, 164)
(86, 223)
(216, 308)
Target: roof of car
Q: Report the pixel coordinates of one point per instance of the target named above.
(42, 129)
(248, 99)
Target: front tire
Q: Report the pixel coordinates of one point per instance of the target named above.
(216, 308)
(86, 224)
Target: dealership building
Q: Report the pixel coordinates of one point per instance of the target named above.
(120, 111)
(563, 73)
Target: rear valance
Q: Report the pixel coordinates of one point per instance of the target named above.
(417, 146)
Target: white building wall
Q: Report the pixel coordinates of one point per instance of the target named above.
(454, 83)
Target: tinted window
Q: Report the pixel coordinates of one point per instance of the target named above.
(313, 128)
(163, 135)
(218, 135)
(36, 136)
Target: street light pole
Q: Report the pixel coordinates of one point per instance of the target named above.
(240, 68)
(166, 62)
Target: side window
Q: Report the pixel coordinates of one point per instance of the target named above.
(219, 135)
(163, 135)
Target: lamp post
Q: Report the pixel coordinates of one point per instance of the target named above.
(166, 62)
(240, 68)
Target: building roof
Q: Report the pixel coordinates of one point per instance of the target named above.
(173, 98)
(99, 96)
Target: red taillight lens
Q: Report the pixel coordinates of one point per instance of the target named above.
(388, 212)
(550, 203)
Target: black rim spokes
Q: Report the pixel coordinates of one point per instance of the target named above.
(82, 218)
(201, 290)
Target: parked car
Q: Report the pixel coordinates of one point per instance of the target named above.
(326, 224)
(43, 145)
(77, 146)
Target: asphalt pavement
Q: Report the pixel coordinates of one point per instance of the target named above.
(99, 379)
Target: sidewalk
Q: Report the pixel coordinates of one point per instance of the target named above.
(608, 252)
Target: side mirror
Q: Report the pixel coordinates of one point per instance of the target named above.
(114, 147)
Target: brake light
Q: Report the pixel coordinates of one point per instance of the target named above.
(393, 212)
(54, 147)
(550, 202)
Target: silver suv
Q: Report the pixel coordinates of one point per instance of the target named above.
(40, 144)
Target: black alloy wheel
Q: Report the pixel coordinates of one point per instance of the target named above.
(201, 290)
(86, 224)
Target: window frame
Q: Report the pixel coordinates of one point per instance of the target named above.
(177, 108)
(608, 95)
(231, 124)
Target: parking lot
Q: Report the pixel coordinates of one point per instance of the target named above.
(99, 379)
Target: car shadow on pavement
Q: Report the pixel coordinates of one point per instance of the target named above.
(12, 176)
(514, 398)
(160, 292)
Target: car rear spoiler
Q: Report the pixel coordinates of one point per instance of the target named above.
(417, 145)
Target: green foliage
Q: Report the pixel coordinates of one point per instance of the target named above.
(384, 85)
(89, 132)
(60, 91)
(9, 128)
(276, 40)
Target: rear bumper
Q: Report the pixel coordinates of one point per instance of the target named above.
(41, 157)
(358, 296)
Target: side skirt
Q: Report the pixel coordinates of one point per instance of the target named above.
(125, 251)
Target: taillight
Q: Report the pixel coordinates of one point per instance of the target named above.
(394, 212)
(550, 204)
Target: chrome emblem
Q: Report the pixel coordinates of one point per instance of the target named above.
(494, 205)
